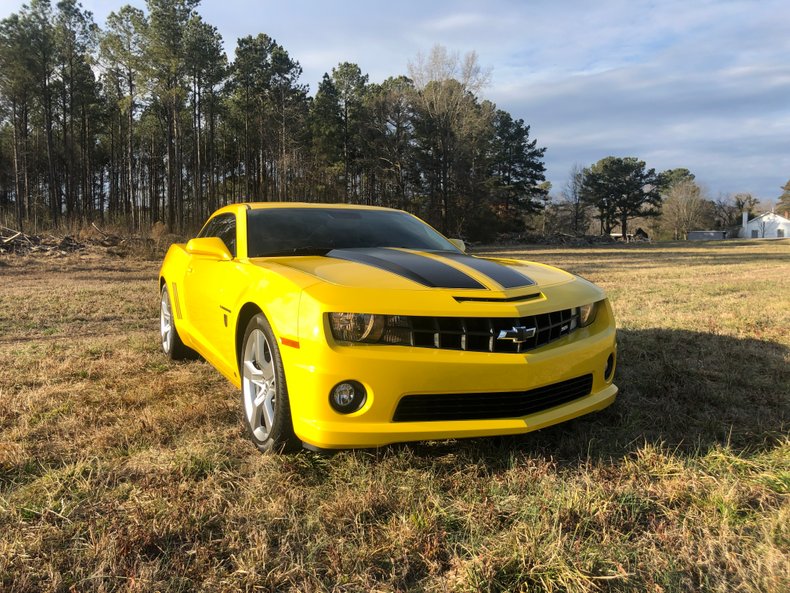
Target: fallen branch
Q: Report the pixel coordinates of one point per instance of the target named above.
(93, 224)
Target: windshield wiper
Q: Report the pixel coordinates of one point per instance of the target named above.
(306, 250)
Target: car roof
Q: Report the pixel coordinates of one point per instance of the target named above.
(285, 205)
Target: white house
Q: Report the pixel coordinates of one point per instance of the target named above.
(765, 226)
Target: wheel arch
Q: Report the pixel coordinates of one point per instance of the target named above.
(247, 312)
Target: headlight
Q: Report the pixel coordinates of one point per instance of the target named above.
(370, 329)
(587, 314)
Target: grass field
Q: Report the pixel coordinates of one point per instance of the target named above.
(120, 471)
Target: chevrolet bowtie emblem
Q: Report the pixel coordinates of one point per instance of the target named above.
(518, 334)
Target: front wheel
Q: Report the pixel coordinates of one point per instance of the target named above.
(264, 394)
(172, 345)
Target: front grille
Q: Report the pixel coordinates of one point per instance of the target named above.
(480, 334)
(487, 406)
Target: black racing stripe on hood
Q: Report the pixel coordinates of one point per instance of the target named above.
(419, 268)
(504, 275)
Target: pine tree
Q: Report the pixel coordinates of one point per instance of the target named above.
(165, 65)
(16, 91)
(388, 140)
(206, 67)
(351, 85)
(621, 188)
(518, 169)
(75, 36)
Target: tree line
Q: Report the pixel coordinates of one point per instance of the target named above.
(147, 120)
(615, 192)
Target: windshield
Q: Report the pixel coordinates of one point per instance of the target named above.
(316, 231)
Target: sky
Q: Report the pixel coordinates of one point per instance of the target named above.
(700, 84)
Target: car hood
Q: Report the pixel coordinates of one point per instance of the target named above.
(405, 269)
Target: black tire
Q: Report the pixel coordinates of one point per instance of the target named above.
(264, 393)
(171, 342)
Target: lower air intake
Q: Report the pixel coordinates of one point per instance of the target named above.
(488, 406)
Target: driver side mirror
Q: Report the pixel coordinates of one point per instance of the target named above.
(459, 244)
(209, 246)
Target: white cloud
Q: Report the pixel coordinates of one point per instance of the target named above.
(457, 21)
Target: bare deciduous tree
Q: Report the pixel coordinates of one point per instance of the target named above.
(572, 195)
(441, 65)
(450, 119)
(685, 208)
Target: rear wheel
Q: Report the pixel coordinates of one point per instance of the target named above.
(264, 394)
(171, 342)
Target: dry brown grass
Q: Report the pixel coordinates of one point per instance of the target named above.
(122, 472)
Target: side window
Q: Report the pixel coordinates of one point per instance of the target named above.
(208, 229)
(755, 234)
(224, 227)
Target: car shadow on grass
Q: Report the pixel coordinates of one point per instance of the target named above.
(682, 390)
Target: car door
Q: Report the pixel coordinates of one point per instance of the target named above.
(206, 297)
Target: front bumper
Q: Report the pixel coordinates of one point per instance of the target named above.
(391, 372)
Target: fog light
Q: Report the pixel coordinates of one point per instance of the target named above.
(347, 397)
(607, 372)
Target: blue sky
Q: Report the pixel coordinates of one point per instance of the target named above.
(701, 84)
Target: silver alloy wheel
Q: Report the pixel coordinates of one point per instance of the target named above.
(259, 384)
(165, 322)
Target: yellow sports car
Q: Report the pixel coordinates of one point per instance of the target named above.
(351, 326)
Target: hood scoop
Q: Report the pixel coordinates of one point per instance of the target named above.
(515, 299)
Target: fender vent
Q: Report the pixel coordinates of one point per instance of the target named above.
(177, 302)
